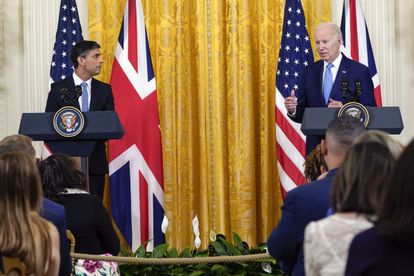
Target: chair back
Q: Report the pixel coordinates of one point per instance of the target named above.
(13, 267)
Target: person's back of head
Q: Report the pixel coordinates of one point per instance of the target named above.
(315, 164)
(383, 138)
(23, 233)
(59, 172)
(340, 135)
(17, 142)
(358, 185)
(396, 215)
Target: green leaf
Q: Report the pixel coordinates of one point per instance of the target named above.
(218, 268)
(238, 241)
(197, 273)
(231, 249)
(219, 248)
(140, 252)
(186, 253)
(159, 251)
(173, 253)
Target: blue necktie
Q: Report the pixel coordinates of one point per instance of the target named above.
(327, 82)
(85, 96)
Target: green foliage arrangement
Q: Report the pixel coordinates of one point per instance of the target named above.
(219, 247)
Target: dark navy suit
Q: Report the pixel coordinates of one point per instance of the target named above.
(310, 92)
(373, 254)
(302, 205)
(55, 213)
(101, 100)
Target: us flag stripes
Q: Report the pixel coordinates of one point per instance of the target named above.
(295, 54)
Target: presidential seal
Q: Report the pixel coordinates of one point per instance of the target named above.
(356, 110)
(68, 121)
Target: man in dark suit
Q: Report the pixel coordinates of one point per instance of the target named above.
(56, 214)
(53, 212)
(323, 83)
(96, 96)
(310, 202)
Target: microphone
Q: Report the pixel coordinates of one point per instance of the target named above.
(64, 95)
(345, 89)
(69, 97)
(78, 91)
(358, 90)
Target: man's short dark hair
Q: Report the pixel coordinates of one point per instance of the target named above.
(344, 130)
(81, 49)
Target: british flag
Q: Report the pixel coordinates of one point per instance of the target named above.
(357, 44)
(135, 161)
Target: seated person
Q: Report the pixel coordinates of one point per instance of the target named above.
(315, 166)
(51, 211)
(355, 196)
(388, 248)
(23, 233)
(87, 218)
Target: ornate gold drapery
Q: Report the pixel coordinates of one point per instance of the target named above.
(215, 64)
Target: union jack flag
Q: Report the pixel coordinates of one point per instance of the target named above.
(357, 44)
(295, 53)
(135, 161)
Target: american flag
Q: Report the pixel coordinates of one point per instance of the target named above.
(357, 43)
(135, 161)
(295, 54)
(69, 32)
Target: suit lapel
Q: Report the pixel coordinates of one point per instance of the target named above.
(319, 83)
(94, 98)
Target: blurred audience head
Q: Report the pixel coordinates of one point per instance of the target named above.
(58, 173)
(315, 164)
(17, 142)
(340, 135)
(383, 138)
(358, 185)
(23, 233)
(396, 215)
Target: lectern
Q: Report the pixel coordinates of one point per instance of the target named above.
(99, 125)
(388, 119)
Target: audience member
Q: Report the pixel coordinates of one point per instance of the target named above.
(383, 138)
(356, 193)
(23, 233)
(49, 210)
(315, 166)
(388, 248)
(87, 218)
(310, 202)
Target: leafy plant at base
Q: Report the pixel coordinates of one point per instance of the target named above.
(219, 247)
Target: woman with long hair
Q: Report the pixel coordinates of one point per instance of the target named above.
(388, 248)
(23, 233)
(356, 193)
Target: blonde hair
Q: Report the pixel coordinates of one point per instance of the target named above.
(384, 139)
(23, 233)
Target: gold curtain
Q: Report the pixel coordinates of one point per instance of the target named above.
(215, 64)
